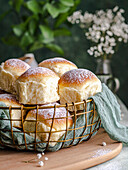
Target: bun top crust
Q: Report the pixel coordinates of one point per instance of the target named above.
(56, 60)
(78, 77)
(16, 66)
(37, 74)
(58, 65)
(9, 99)
(48, 114)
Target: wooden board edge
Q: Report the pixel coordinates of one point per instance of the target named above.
(94, 161)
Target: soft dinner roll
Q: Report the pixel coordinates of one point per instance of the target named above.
(37, 86)
(10, 100)
(9, 72)
(58, 65)
(77, 85)
(45, 125)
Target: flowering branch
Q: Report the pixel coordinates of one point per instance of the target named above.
(106, 29)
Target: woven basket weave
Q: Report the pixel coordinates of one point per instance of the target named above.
(90, 126)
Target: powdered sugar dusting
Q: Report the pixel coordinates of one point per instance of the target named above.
(16, 63)
(77, 76)
(101, 152)
(58, 60)
(9, 97)
(48, 113)
(37, 71)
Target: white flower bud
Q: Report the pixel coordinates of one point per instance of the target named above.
(102, 39)
(109, 33)
(122, 11)
(115, 8)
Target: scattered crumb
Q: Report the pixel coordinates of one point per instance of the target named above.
(101, 152)
(40, 163)
(39, 155)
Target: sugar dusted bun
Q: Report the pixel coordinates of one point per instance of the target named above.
(58, 65)
(45, 125)
(37, 86)
(9, 72)
(10, 100)
(77, 85)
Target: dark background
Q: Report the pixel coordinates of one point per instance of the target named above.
(75, 46)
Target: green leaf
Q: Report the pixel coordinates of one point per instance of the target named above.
(61, 19)
(55, 48)
(26, 40)
(67, 2)
(17, 4)
(61, 31)
(36, 45)
(10, 40)
(33, 6)
(3, 15)
(18, 29)
(47, 34)
(32, 26)
(62, 8)
(53, 11)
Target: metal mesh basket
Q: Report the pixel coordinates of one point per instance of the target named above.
(72, 136)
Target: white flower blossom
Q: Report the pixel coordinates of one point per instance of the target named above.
(104, 28)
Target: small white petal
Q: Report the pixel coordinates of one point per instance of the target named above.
(42, 153)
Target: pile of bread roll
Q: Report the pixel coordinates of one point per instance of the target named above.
(55, 81)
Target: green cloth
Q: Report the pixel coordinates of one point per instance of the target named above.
(6, 136)
(110, 114)
(107, 108)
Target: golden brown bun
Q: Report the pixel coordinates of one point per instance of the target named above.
(77, 85)
(45, 125)
(58, 65)
(37, 86)
(9, 72)
(10, 100)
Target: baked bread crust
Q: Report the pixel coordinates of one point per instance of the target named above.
(77, 85)
(10, 70)
(44, 125)
(10, 100)
(37, 86)
(58, 65)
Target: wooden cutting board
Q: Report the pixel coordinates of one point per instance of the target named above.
(82, 156)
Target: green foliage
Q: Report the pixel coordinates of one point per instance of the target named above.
(39, 23)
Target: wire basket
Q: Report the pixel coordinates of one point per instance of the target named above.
(72, 136)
